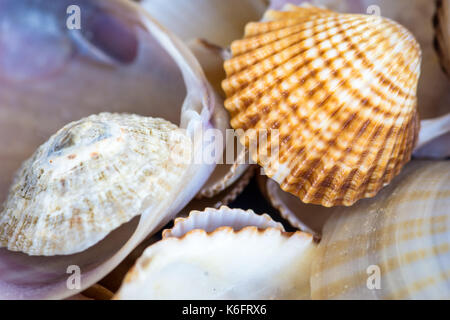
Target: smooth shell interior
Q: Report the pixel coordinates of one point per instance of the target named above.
(233, 162)
(218, 254)
(113, 64)
(217, 21)
(145, 70)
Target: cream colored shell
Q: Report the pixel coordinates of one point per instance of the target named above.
(89, 178)
(256, 262)
(341, 91)
(394, 246)
(442, 28)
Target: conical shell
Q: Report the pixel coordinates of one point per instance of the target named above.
(394, 246)
(340, 89)
(223, 254)
(89, 178)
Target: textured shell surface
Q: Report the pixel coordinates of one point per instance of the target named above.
(210, 219)
(417, 16)
(89, 178)
(303, 216)
(340, 89)
(442, 27)
(120, 61)
(394, 246)
(225, 263)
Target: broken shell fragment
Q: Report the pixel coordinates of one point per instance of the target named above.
(346, 116)
(88, 179)
(218, 254)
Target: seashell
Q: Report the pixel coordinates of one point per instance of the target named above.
(211, 219)
(223, 198)
(214, 20)
(326, 82)
(97, 292)
(305, 217)
(88, 179)
(416, 15)
(146, 70)
(230, 170)
(442, 27)
(434, 138)
(218, 254)
(394, 246)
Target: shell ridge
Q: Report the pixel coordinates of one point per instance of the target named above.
(373, 101)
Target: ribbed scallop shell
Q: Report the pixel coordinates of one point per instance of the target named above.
(89, 178)
(341, 91)
(223, 254)
(401, 237)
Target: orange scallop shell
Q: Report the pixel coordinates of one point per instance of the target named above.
(340, 89)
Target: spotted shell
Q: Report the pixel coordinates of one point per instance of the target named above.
(337, 92)
(89, 178)
(218, 254)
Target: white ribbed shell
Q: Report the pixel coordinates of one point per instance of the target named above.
(223, 254)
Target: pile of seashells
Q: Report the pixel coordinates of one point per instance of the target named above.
(356, 92)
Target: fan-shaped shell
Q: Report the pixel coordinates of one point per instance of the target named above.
(89, 178)
(341, 91)
(219, 254)
(394, 246)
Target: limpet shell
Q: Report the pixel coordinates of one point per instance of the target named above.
(394, 246)
(89, 178)
(194, 263)
(347, 117)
